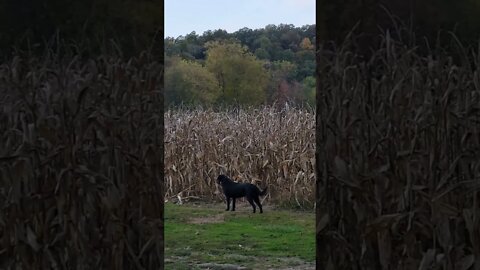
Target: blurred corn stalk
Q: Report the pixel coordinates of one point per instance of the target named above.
(399, 157)
(80, 163)
(264, 146)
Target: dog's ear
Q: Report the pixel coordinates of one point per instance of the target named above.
(222, 178)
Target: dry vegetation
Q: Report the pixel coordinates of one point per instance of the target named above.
(80, 163)
(264, 146)
(399, 157)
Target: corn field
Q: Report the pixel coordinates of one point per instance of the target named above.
(398, 156)
(265, 146)
(80, 163)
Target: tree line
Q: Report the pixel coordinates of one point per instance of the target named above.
(274, 64)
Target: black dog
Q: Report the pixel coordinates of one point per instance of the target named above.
(237, 190)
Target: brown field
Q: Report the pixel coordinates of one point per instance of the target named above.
(265, 146)
(399, 156)
(80, 163)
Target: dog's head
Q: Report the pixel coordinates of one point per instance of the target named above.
(222, 179)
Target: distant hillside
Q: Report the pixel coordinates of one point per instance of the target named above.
(285, 52)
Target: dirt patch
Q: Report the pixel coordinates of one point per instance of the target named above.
(297, 267)
(242, 262)
(221, 266)
(304, 266)
(285, 263)
(293, 264)
(206, 220)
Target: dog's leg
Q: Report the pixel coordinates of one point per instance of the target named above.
(259, 204)
(250, 200)
(233, 206)
(228, 204)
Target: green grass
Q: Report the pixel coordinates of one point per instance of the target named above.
(257, 241)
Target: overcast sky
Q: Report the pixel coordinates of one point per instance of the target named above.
(184, 16)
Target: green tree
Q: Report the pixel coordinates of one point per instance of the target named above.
(309, 90)
(286, 55)
(242, 77)
(190, 83)
(305, 60)
(263, 42)
(261, 53)
(283, 70)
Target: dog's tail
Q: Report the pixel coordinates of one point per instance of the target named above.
(263, 192)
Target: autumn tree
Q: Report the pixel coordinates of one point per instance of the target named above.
(306, 44)
(242, 77)
(281, 72)
(290, 92)
(190, 83)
